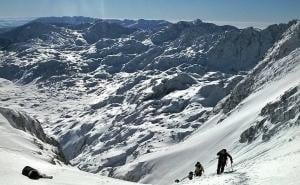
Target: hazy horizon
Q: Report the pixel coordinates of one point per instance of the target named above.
(255, 13)
(238, 24)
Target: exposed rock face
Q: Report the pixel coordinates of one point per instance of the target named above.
(25, 123)
(275, 117)
(267, 69)
(32, 126)
(101, 29)
(179, 82)
(283, 113)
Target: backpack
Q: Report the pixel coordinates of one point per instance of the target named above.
(190, 176)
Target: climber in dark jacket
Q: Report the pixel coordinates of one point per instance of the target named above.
(191, 175)
(222, 161)
(33, 173)
(198, 169)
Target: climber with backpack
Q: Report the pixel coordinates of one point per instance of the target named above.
(222, 160)
(191, 175)
(199, 169)
(198, 172)
(34, 174)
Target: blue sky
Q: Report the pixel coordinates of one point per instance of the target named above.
(249, 12)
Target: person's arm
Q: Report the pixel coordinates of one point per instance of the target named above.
(230, 158)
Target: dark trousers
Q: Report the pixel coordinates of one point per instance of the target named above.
(221, 166)
(198, 173)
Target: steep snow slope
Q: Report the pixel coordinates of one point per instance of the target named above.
(261, 131)
(110, 94)
(18, 149)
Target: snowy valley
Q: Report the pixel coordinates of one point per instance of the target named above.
(144, 100)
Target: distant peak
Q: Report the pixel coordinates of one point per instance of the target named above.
(197, 21)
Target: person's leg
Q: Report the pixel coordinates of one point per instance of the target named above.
(48, 177)
(219, 168)
(222, 167)
(34, 174)
(197, 172)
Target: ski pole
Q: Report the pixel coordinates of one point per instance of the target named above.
(177, 181)
(183, 178)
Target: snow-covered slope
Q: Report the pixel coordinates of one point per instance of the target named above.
(19, 149)
(261, 130)
(111, 94)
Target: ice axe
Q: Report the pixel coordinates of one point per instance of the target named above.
(177, 180)
(190, 176)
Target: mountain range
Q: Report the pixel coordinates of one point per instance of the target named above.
(144, 100)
